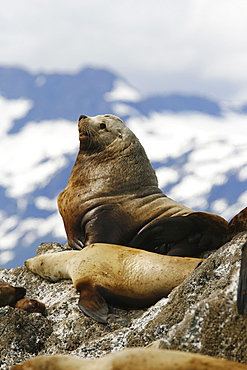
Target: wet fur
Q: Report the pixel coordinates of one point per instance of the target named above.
(113, 197)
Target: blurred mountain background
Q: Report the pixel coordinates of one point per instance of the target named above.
(197, 146)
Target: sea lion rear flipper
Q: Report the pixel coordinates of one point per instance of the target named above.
(166, 235)
(242, 284)
(185, 236)
(106, 223)
(93, 304)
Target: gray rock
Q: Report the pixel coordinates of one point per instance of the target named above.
(198, 316)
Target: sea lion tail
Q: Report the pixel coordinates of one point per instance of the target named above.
(92, 303)
(242, 284)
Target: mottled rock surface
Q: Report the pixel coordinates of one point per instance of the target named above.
(198, 316)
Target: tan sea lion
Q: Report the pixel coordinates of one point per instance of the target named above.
(113, 197)
(132, 359)
(31, 305)
(9, 294)
(117, 274)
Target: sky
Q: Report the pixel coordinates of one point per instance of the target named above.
(159, 46)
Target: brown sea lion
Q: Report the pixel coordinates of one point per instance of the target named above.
(132, 359)
(242, 284)
(31, 305)
(9, 294)
(117, 274)
(238, 223)
(113, 197)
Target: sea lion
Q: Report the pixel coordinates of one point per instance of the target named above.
(238, 223)
(113, 197)
(9, 294)
(31, 305)
(117, 274)
(242, 283)
(132, 358)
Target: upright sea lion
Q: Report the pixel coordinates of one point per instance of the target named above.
(113, 197)
(117, 274)
(132, 359)
(9, 294)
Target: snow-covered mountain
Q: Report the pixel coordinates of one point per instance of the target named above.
(197, 148)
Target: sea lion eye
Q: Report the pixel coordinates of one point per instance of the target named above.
(102, 126)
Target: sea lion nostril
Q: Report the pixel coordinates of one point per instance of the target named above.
(82, 117)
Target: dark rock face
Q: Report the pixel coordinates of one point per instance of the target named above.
(199, 316)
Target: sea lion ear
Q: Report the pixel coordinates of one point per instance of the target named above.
(93, 304)
(120, 133)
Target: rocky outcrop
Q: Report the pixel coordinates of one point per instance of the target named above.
(199, 316)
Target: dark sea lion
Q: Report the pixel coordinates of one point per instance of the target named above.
(31, 305)
(242, 284)
(9, 295)
(132, 359)
(238, 223)
(116, 274)
(113, 196)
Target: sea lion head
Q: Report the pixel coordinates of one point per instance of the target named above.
(31, 305)
(97, 133)
(10, 294)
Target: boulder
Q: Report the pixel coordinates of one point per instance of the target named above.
(198, 316)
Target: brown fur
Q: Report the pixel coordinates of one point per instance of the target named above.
(238, 224)
(9, 294)
(31, 305)
(113, 196)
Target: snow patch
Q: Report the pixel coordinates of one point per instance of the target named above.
(5, 257)
(122, 91)
(10, 111)
(121, 109)
(209, 147)
(38, 152)
(46, 203)
(166, 175)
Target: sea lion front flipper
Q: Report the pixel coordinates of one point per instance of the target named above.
(242, 284)
(105, 223)
(93, 304)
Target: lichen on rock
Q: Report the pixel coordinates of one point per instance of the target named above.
(199, 316)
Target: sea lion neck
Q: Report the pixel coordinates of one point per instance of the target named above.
(121, 168)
